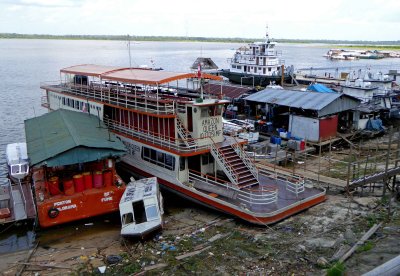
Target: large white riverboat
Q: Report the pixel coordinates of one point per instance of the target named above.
(176, 135)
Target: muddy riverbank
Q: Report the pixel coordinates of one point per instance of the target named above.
(196, 240)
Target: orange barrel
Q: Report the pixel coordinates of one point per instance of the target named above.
(69, 187)
(88, 180)
(107, 178)
(98, 179)
(78, 182)
(53, 186)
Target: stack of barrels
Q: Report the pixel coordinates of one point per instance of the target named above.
(81, 182)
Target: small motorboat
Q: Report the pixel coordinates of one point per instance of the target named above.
(141, 208)
(17, 161)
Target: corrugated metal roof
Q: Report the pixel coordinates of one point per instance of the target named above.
(291, 98)
(66, 137)
(230, 91)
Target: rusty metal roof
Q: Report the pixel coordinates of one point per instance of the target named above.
(132, 75)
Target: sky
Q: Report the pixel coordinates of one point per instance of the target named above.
(292, 19)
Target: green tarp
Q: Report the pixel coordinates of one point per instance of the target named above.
(64, 137)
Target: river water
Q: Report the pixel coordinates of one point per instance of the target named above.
(24, 64)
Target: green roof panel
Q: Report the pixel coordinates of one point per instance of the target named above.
(64, 137)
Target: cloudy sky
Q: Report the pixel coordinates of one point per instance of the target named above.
(298, 19)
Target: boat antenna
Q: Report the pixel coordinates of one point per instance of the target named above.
(129, 50)
(267, 34)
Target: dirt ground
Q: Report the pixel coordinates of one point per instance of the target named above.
(200, 241)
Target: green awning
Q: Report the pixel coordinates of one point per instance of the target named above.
(64, 137)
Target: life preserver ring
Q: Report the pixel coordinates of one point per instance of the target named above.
(53, 212)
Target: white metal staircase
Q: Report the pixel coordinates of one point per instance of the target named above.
(234, 166)
(185, 134)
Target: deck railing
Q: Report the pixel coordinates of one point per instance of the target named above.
(245, 158)
(156, 138)
(294, 183)
(262, 195)
(146, 101)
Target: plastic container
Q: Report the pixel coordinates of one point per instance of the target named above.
(53, 186)
(302, 145)
(78, 183)
(107, 178)
(69, 188)
(272, 140)
(98, 179)
(278, 140)
(88, 180)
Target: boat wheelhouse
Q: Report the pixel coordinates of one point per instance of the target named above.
(141, 208)
(174, 132)
(72, 156)
(258, 63)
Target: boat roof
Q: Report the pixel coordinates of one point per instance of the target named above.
(89, 69)
(132, 75)
(64, 137)
(140, 189)
(16, 153)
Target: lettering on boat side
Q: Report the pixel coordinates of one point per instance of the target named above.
(210, 128)
(59, 203)
(132, 148)
(62, 205)
(107, 197)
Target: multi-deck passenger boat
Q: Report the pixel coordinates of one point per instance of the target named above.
(177, 136)
(257, 64)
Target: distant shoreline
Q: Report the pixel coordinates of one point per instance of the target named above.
(386, 45)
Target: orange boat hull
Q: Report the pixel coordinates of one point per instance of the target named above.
(93, 202)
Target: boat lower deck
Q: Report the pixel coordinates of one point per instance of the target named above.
(272, 200)
(18, 201)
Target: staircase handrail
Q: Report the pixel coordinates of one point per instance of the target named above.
(223, 163)
(246, 159)
(184, 133)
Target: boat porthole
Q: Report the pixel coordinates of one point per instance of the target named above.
(53, 212)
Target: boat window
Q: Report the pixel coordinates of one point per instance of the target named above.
(269, 69)
(239, 67)
(24, 168)
(233, 66)
(159, 158)
(204, 112)
(151, 212)
(15, 169)
(139, 212)
(127, 218)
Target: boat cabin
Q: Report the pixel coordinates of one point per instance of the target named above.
(17, 160)
(141, 208)
(72, 155)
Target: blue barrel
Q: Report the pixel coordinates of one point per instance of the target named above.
(278, 140)
(272, 140)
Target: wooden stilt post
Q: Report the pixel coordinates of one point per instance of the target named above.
(319, 159)
(348, 173)
(385, 179)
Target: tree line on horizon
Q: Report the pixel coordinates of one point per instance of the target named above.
(193, 39)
